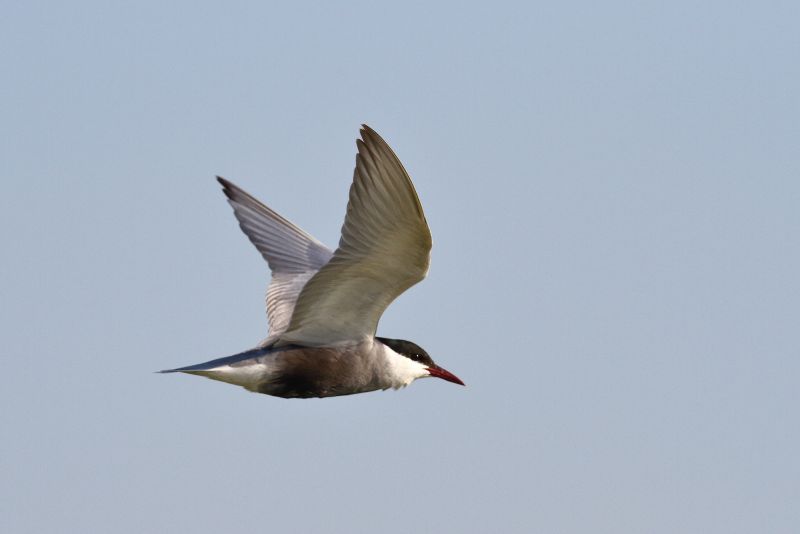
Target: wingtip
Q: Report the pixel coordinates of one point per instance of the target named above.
(367, 131)
(228, 188)
(371, 138)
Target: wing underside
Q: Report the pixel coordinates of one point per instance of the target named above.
(293, 255)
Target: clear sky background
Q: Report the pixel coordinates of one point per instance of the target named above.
(613, 191)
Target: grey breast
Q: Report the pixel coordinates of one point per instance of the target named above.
(303, 372)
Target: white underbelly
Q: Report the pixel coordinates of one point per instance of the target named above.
(247, 376)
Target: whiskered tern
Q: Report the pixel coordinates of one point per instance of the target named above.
(323, 306)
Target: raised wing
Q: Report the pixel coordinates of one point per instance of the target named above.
(384, 249)
(292, 254)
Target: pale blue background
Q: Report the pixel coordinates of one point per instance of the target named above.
(614, 198)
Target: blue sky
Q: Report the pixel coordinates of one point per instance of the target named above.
(613, 194)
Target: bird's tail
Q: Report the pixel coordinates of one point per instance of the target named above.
(219, 362)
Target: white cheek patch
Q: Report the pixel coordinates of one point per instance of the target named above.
(403, 371)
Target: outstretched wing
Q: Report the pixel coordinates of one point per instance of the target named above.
(384, 250)
(292, 254)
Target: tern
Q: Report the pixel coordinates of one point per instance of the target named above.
(323, 306)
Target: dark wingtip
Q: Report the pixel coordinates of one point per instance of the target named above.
(228, 187)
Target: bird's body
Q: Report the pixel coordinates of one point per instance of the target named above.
(294, 371)
(324, 306)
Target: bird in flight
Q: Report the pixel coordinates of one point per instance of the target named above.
(323, 306)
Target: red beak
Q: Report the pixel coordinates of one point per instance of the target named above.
(444, 374)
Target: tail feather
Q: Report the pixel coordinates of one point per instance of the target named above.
(212, 364)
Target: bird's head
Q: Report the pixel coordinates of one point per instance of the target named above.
(415, 362)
